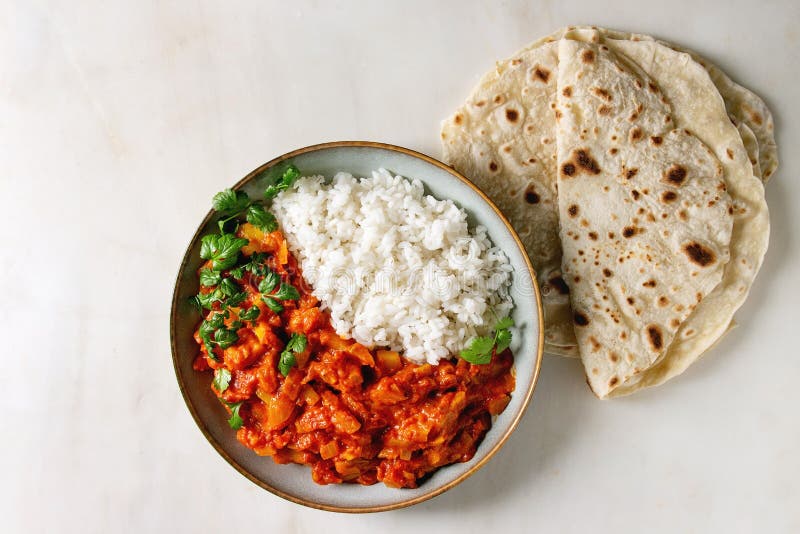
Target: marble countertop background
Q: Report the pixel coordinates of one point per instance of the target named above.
(118, 122)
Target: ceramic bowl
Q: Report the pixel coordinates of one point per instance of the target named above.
(293, 482)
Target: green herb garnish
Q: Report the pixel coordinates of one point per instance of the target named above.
(209, 278)
(272, 304)
(297, 343)
(222, 377)
(287, 179)
(258, 216)
(229, 202)
(225, 337)
(235, 421)
(207, 300)
(480, 350)
(251, 314)
(221, 249)
(229, 287)
(269, 282)
(286, 292)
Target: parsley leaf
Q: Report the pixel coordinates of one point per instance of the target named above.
(236, 299)
(222, 377)
(297, 343)
(269, 282)
(250, 314)
(217, 320)
(209, 278)
(287, 292)
(503, 338)
(272, 304)
(479, 350)
(260, 217)
(504, 323)
(287, 179)
(235, 421)
(229, 287)
(286, 362)
(221, 249)
(228, 202)
(207, 300)
(225, 337)
(502, 334)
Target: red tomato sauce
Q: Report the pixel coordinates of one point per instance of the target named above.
(351, 413)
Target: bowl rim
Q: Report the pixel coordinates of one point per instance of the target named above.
(402, 503)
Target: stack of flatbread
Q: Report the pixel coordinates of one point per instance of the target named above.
(633, 171)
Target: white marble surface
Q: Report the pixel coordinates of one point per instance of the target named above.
(119, 120)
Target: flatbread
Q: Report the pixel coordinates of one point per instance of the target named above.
(697, 106)
(645, 218)
(514, 163)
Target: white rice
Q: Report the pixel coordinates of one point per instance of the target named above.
(395, 267)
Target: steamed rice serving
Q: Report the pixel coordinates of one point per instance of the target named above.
(395, 267)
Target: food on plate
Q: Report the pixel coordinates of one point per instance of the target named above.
(633, 172)
(355, 410)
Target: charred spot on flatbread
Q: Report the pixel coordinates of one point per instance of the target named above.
(573, 210)
(512, 115)
(668, 196)
(581, 161)
(655, 337)
(541, 74)
(587, 56)
(602, 93)
(531, 196)
(699, 254)
(580, 318)
(559, 284)
(675, 175)
(630, 231)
